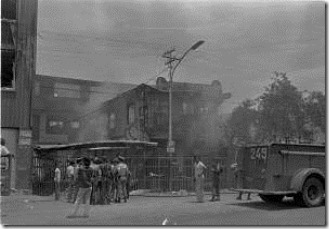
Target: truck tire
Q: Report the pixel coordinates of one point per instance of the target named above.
(271, 198)
(312, 194)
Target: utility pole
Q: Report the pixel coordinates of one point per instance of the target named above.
(172, 67)
(170, 145)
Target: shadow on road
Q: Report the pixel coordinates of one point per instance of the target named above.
(286, 204)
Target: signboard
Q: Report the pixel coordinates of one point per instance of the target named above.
(171, 147)
(25, 137)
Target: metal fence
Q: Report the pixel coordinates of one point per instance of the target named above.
(149, 170)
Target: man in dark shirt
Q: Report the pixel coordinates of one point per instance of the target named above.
(216, 171)
(84, 182)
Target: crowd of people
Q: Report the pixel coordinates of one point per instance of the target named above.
(94, 181)
(99, 181)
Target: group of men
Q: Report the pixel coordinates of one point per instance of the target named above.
(216, 170)
(110, 180)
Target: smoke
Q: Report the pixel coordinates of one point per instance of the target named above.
(94, 119)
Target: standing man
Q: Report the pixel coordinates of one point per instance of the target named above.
(123, 173)
(237, 180)
(57, 180)
(115, 186)
(70, 179)
(84, 182)
(199, 170)
(97, 181)
(216, 172)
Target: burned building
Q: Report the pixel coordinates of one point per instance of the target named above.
(59, 105)
(142, 114)
(18, 67)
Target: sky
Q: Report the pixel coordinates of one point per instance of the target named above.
(245, 42)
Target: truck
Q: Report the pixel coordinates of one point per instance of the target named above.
(277, 170)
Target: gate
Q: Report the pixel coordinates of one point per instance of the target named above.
(43, 169)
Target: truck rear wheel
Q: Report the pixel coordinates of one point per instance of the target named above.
(271, 198)
(312, 194)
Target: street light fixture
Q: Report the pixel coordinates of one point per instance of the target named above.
(172, 69)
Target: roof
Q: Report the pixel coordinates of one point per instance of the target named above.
(286, 144)
(96, 144)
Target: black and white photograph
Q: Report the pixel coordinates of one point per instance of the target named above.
(181, 113)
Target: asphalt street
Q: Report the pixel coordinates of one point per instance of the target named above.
(180, 211)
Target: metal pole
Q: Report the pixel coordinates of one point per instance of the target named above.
(171, 73)
(170, 122)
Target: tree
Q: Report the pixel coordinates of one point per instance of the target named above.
(315, 110)
(280, 110)
(240, 123)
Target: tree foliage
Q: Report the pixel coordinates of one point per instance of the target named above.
(280, 113)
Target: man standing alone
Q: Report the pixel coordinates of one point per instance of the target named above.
(199, 169)
(216, 172)
(57, 180)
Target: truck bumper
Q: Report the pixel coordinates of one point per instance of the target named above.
(264, 192)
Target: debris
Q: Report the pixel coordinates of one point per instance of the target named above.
(168, 222)
(165, 222)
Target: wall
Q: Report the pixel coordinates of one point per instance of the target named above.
(16, 103)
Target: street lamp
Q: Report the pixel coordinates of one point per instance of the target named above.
(172, 69)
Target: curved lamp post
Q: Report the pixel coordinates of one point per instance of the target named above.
(172, 69)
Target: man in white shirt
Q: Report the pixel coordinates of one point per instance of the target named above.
(70, 172)
(57, 180)
(199, 170)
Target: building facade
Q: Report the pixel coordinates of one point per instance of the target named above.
(18, 67)
(59, 105)
(142, 114)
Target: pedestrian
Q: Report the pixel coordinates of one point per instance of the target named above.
(122, 174)
(78, 163)
(104, 183)
(4, 150)
(115, 186)
(71, 181)
(97, 181)
(199, 170)
(216, 172)
(5, 154)
(128, 184)
(84, 182)
(237, 180)
(57, 181)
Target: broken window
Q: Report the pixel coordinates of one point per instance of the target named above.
(8, 28)
(55, 126)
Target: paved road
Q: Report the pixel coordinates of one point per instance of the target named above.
(152, 211)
